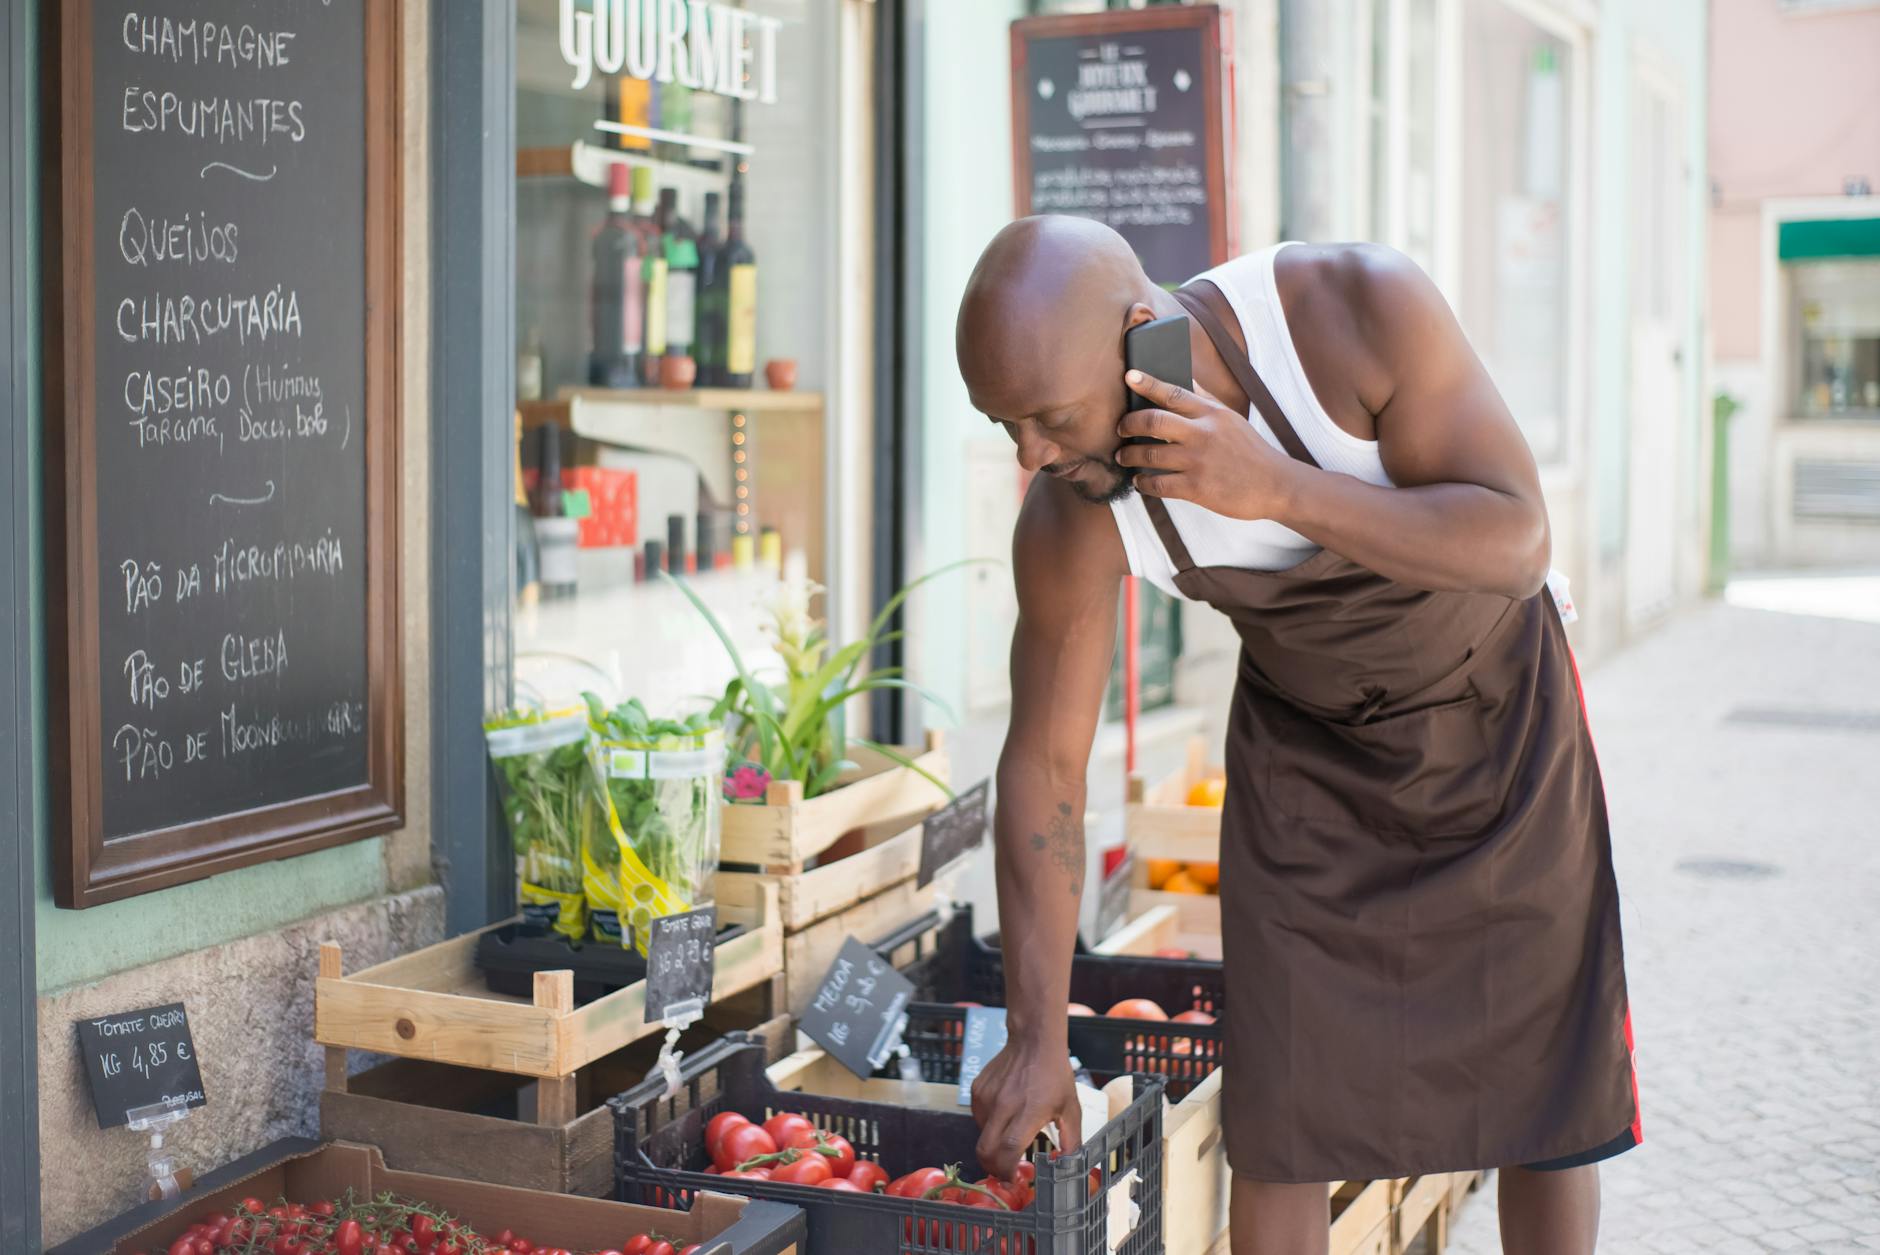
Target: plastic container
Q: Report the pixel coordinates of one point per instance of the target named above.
(955, 966)
(660, 1160)
(510, 957)
(551, 802)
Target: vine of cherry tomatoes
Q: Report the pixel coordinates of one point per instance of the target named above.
(382, 1226)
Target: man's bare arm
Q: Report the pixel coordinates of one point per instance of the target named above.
(1067, 559)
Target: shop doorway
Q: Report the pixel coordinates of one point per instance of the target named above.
(1658, 476)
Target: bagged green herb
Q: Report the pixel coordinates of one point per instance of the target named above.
(551, 802)
(665, 791)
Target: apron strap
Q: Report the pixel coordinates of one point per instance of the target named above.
(1205, 302)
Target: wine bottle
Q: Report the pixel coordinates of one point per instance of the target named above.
(736, 270)
(617, 306)
(653, 276)
(680, 243)
(709, 342)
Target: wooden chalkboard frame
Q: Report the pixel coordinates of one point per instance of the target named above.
(1203, 17)
(88, 871)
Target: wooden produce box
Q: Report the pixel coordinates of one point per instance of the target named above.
(469, 1122)
(864, 886)
(1192, 925)
(728, 1224)
(1159, 823)
(787, 831)
(435, 1004)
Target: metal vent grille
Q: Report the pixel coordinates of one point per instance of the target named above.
(1837, 490)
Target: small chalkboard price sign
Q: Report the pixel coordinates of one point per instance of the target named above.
(984, 1038)
(952, 831)
(140, 1059)
(681, 960)
(859, 1011)
(1113, 896)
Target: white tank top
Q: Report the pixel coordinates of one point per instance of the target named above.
(1252, 544)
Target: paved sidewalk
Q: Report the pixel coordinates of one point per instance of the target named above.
(1741, 750)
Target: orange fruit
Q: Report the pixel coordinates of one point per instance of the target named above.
(1211, 791)
(1160, 869)
(1194, 1017)
(1078, 1008)
(1207, 875)
(1182, 882)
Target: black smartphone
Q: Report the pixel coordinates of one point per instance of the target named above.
(1158, 349)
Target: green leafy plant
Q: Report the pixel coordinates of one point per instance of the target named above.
(797, 728)
(548, 801)
(669, 815)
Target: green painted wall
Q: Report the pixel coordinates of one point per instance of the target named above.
(76, 946)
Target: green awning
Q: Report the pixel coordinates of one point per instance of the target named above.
(1817, 239)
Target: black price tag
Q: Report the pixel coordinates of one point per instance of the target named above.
(955, 829)
(681, 958)
(984, 1038)
(860, 1009)
(1113, 896)
(140, 1059)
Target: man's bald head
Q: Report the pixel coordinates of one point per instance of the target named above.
(1047, 290)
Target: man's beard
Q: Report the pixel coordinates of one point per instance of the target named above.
(1121, 484)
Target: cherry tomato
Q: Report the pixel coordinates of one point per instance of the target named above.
(521, 1246)
(868, 1175)
(253, 1206)
(742, 1143)
(842, 1184)
(661, 1247)
(721, 1124)
(916, 1183)
(185, 1245)
(612, 1251)
(807, 1168)
(637, 1244)
(786, 1125)
(447, 1247)
(322, 1208)
(837, 1150)
(349, 1238)
(422, 1226)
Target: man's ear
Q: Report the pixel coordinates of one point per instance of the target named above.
(1138, 315)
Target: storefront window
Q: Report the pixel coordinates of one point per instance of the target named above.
(1400, 124)
(674, 292)
(1515, 171)
(1835, 316)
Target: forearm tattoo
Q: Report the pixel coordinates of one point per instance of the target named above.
(1064, 839)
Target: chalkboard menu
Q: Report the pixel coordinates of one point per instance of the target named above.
(224, 408)
(1118, 117)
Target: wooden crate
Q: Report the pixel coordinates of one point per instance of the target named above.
(1188, 922)
(435, 1004)
(787, 831)
(808, 953)
(483, 1126)
(1361, 1220)
(1158, 822)
(1423, 1203)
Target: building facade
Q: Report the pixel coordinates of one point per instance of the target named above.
(1794, 263)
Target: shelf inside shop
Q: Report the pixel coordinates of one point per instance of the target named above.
(743, 400)
(588, 163)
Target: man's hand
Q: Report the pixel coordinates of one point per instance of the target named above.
(1020, 1091)
(1213, 456)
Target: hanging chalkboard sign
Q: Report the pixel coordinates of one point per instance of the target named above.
(681, 959)
(983, 1037)
(140, 1059)
(953, 831)
(222, 437)
(1118, 117)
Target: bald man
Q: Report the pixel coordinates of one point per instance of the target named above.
(1422, 958)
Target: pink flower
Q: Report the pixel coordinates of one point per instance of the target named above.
(747, 782)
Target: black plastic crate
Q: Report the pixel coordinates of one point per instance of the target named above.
(659, 1157)
(957, 966)
(510, 956)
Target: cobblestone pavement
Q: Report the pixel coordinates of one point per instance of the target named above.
(1741, 750)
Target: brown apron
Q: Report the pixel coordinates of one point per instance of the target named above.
(1421, 923)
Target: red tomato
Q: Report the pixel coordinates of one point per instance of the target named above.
(1137, 1009)
(916, 1183)
(521, 1246)
(505, 1237)
(253, 1206)
(842, 1184)
(868, 1176)
(837, 1150)
(721, 1124)
(661, 1247)
(999, 1195)
(786, 1126)
(349, 1238)
(1192, 1017)
(185, 1245)
(637, 1244)
(321, 1208)
(742, 1174)
(743, 1142)
(1078, 1008)
(800, 1167)
(1172, 952)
